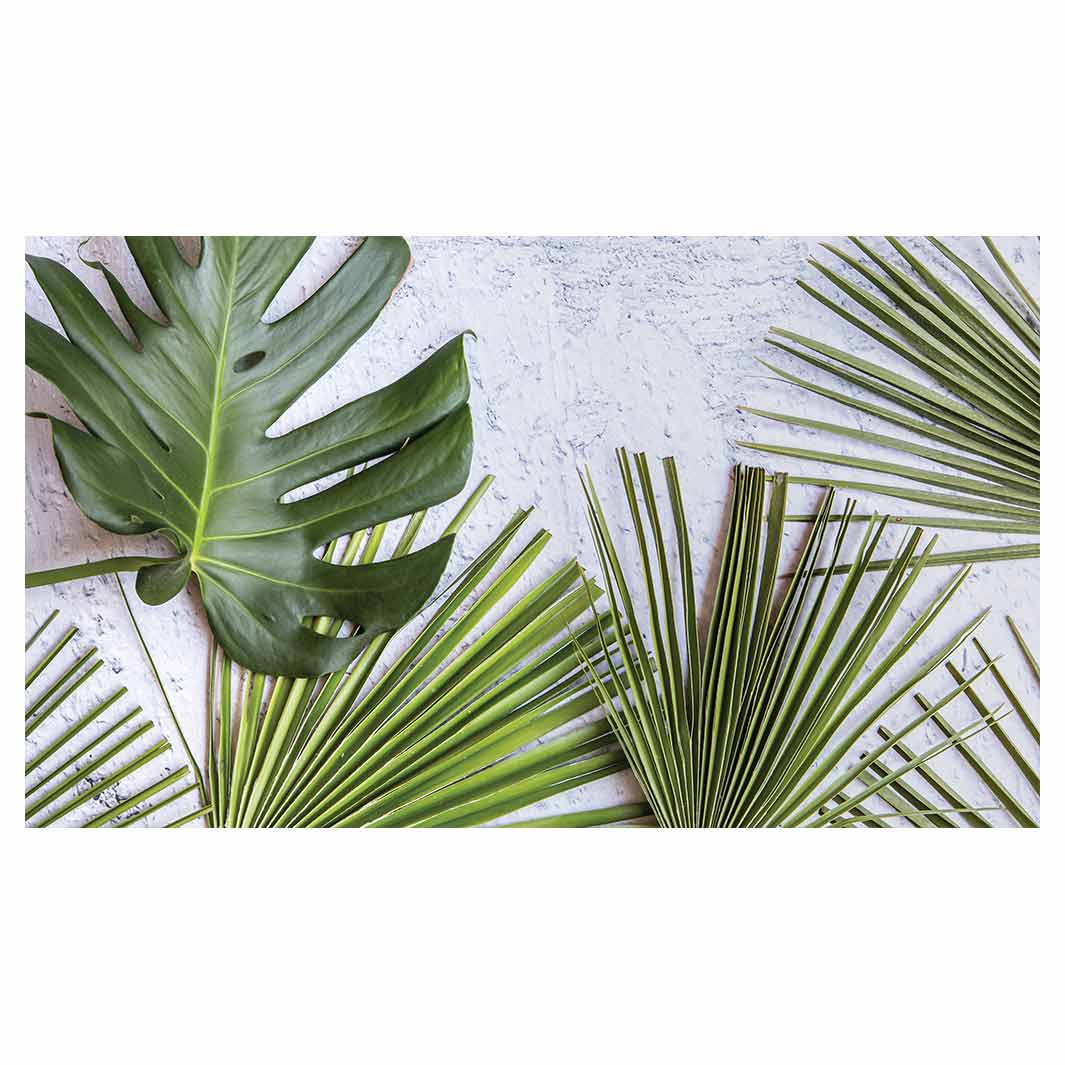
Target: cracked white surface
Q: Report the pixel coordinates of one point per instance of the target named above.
(583, 344)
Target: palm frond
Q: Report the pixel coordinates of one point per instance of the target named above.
(75, 759)
(758, 723)
(968, 403)
(474, 720)
(1010, 800)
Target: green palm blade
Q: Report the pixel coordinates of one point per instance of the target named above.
(924, 788)
(972, 385)
(83, 757)
(759, 723)
(475, 713)
(1016, 806)
(177, 440)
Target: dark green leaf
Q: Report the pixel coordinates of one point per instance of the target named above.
(177, 439)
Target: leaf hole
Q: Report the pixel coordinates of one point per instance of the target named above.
(249, 361)
(190, 249)
(158, 439)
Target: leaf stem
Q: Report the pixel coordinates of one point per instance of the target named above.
(162, 691)
(124, 564)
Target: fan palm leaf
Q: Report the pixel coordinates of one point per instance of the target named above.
(1011, 800)
(967, 403)
(473, 720)
(70, 763)
(754, 725)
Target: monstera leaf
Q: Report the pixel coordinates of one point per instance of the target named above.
(177, 439)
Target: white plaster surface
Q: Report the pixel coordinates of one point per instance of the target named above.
(583, 344)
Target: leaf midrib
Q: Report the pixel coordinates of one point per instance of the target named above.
(212, 432)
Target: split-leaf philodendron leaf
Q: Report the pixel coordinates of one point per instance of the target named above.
(177, 439)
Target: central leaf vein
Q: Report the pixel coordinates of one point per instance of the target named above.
(212, 443)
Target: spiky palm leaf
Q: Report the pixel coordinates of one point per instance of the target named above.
(969, 413)
(916, 797)
(473, 721)
(752, 725)
(71, 762)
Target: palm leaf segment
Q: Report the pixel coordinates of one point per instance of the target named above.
(925, 798)
(72, 762)
(177, 439)
(971, 410)
(752, 725)
(473, 720)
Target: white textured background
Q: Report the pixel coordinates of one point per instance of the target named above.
(583, 344)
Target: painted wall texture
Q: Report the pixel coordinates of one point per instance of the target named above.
(583, 345)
